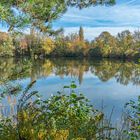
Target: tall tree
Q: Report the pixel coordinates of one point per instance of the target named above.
(81, 34)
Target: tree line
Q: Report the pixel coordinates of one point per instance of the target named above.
(38, 16)
(36, 44)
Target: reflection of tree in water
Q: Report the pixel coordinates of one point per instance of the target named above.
(72, 68)
(10, 107)
(128, 72)
(6, 66)
(105, 70)
(123, 72)
(11, 69)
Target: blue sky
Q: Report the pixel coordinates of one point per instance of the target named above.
(124, 15)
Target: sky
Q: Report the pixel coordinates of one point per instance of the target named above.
(124, 15)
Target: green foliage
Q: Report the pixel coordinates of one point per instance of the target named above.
(65, 116)
(17, 15)
(39, 13)
(83, 4)
(133, 109)
(36, 44)
(125, 45)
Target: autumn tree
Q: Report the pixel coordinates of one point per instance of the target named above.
(106, 42)
(136, 40)
(48, 45)
(6, 45)
(125, 43)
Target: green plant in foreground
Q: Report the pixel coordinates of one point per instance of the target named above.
(134, 119)
(65, 117)
(61, 116)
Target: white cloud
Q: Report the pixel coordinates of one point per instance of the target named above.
(123, 14)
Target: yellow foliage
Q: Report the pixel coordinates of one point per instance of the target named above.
(61, 135)
(6, 45)
(76, 45)
(48, 45)
(79, 139)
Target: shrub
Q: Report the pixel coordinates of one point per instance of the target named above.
(134, 119)
(64, 116)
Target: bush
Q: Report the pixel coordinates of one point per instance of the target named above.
(64, 116)
(134, 119)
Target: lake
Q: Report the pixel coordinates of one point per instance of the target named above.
(108, 84)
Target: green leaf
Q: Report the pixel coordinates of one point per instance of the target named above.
(73, 86)
(66, 87)
(73, 95)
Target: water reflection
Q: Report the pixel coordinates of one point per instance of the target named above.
(114, 82)
(123, 72)
(10, 107)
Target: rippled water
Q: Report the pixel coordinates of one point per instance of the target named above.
(108, 84)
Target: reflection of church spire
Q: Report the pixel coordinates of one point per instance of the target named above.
(33, 78)
(33, 74)
(80, 77)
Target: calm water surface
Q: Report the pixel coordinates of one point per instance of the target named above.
(104, 82)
